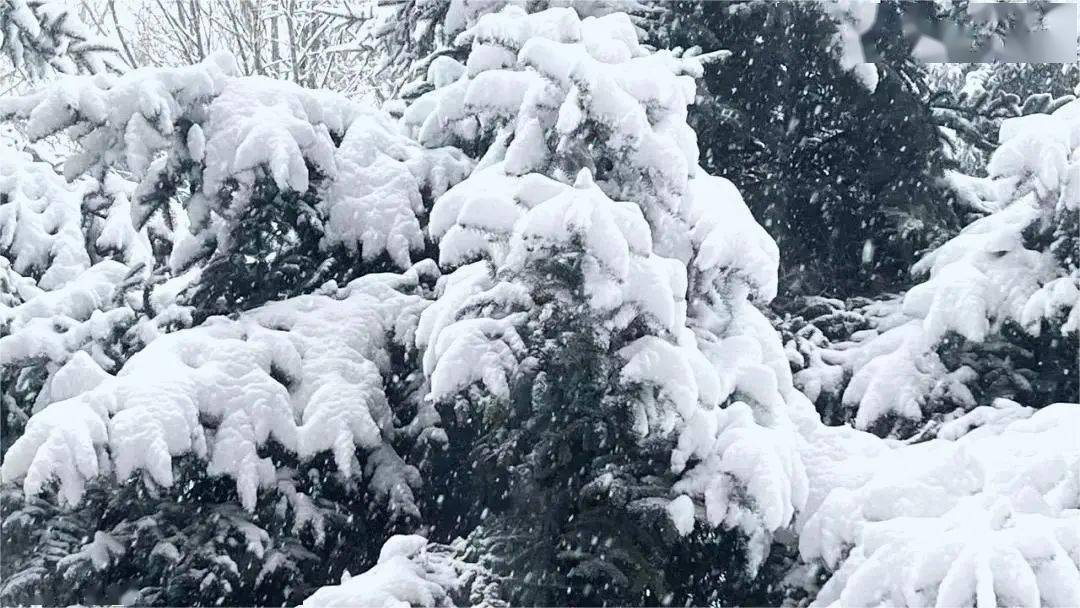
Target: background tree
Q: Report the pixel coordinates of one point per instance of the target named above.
(846, 178)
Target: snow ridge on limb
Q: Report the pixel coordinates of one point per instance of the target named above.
(293, 370)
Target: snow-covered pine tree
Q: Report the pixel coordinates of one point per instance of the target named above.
(997, 315)
(547, 356)
(41, 37)
(598, 349)
(545, 99)
(261, 177)
(284, 187)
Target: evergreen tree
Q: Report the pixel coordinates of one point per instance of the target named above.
(190, 457)
(554, 384)
(580, 402)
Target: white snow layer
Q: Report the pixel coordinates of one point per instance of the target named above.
(40, 220)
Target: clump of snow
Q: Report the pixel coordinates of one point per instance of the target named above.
(410, 572)
(40, 221)
(375, 202)
(681, 511)
(469, 350)
(853, 19)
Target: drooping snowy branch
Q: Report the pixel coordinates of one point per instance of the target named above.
(263, 160)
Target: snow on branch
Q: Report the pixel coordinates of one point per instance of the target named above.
(305, 372)
(43, 35)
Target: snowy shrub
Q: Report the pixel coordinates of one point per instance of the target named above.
(172, 546)
(969, 103)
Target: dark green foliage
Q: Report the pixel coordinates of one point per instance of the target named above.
(1031, 370)
(272, 251)
(19, 388)
(826, 165)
